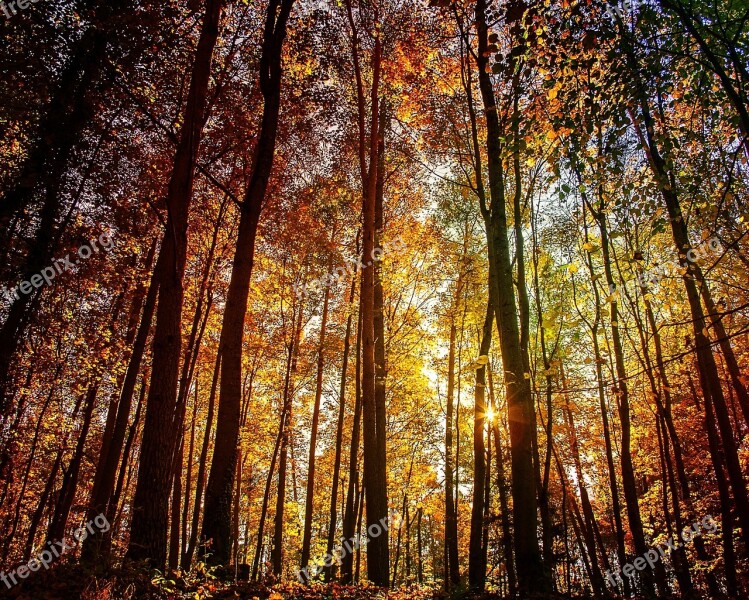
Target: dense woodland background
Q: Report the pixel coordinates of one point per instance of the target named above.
(539, 373)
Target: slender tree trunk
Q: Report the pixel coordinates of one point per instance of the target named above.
(42, 506)
(266, 499)
(277, 553)
(724, 342)
(476, 554)
(339, 431)
(217, 518)
(310, 496)
(452, 567)
(109, 459)
(202, 467)
(176, 509)
(587, 527)
(67, 492)
(188, 482)
(419, 547)
(349, 516)
(507, 545)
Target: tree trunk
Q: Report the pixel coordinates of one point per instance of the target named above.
(520, 403)
(67, 492)
(339, 432)
(310, 496)
(503, 499)
(202, 467)
(349, 515)
(217, 518)
(452, 566)
(109, 459)
(588, 532)
(277, 553)
(151, 502)
(375, 476)
(476, 554)
(266, 498)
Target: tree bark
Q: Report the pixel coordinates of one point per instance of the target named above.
(148, 531)
(476, 554)
(310, 496)
(520, 404)
(339, 431)
(217, 517)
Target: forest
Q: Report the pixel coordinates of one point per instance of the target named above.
(356, 299)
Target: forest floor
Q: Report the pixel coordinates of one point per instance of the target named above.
(69, 582)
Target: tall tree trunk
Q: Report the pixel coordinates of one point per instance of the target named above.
(310, 496)
(520, 405)
(375, 476)
(476, 554)
(151, 503)
(217, 519)
(349, 515)
(339, 431)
